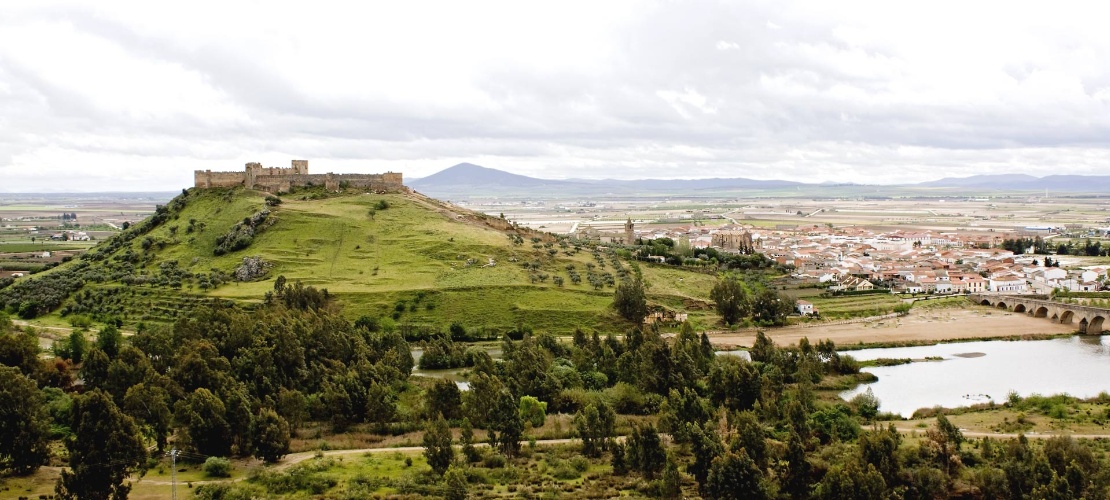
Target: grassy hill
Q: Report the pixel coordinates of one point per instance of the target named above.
(404, 257)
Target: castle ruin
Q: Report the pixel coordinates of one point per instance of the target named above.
(275, 179)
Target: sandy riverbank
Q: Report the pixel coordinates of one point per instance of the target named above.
(930, 325)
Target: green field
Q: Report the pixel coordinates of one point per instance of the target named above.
(418, 262)
(855, 305)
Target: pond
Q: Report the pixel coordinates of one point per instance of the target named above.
(454, 374)
(979, 372)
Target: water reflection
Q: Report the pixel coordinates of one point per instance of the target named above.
(1079, 366)
(744, 355)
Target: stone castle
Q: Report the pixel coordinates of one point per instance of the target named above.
(274, 179)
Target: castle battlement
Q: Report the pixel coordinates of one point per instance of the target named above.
(276, 179)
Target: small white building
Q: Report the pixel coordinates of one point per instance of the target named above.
(805, 308)
(1008, 284)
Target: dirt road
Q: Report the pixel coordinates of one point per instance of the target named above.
(927, 325)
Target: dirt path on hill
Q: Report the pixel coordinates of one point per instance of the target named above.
(296, 458)
(1008, 435)
(925, 326)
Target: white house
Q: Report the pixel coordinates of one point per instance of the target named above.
(805, 308)
(1054, 273)
(1007, 284)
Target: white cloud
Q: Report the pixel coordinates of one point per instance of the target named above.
(853, 91)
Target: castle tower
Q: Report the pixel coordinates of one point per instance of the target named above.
(254, 169)
(300, 167)
(629, 234)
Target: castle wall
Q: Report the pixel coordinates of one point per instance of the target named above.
(210, 179)
(273, 179)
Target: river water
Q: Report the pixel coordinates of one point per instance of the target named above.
(978, 372)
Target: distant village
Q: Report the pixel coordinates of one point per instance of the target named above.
(902, 261)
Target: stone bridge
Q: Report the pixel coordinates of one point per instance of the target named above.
(1089, 319)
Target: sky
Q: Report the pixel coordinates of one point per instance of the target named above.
(134, 96)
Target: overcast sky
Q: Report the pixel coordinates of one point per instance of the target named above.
(136, 95)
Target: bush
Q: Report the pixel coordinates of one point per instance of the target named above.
(217, 467)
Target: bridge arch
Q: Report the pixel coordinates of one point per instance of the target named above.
(1002, 305)
(1066, 317)
(1095, 326)
(1041, 312)
(1019, 308)
(985, 302)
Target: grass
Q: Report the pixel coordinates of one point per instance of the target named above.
(853, 306)
(446, 264)
(41, 246)
(1032, 414)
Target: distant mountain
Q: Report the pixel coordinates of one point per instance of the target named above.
(470, 175)
(467, 179)
(690, 184)
(1022, 182)
(1003, 181)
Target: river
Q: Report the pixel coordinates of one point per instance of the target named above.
(979, 372)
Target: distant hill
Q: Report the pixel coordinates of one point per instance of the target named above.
(1021, 182)
(466, 180)
(402, 257)
(467, 175)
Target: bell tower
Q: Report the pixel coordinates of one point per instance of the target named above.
(629, 234)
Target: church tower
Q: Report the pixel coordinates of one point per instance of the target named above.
(629, 235)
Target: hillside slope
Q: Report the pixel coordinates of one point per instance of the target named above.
(401, 257)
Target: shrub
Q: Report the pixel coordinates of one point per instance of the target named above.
(217, 467)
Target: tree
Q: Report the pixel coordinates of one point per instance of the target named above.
(879, 448)
(770, 307)
(381, 405)
(750, 437)
(24, 423)
(271, 436)
(505, 428)
(104, 450)
(705, 445)
(619, 461)
(734, 383)
(731, 299)
(109, 340)
(94, 370)
(78, 345)
(444, 398)
(595, 425)
(149, 405)
(735, 475)
(203, 418)
(466, 439)
(533, 411)
(21, 350)
(437, 445)
(129, 367)
(796, 478)
(851, 482)
(456, 484)
(645, 451)
(672, 479)
(630, 300)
